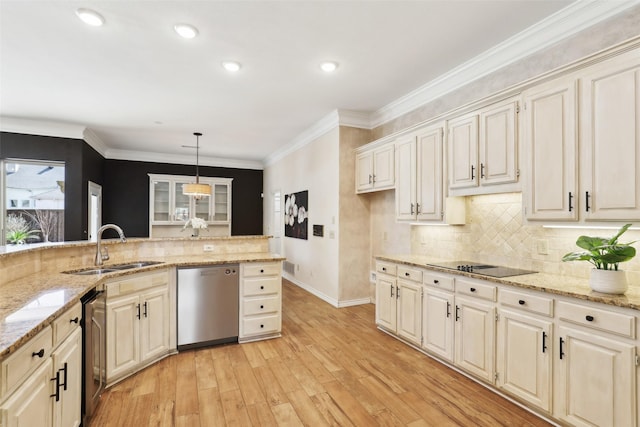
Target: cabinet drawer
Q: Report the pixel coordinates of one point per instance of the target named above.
(386, 268)
(525, 301)
(65, 323)
(26, 359)
(439, 281)
(137, 282)
(261, 286)
(409, 273)
(257, 270)
(476, 289)
(261, 325)
(261, 306)
(604, 320)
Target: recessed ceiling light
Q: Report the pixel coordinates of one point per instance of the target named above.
(231, 66)
(185, 30)
(90, 17)
(328, 66)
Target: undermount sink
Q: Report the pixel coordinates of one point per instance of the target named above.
(112, 268)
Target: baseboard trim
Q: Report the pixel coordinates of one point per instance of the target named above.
(326, 298)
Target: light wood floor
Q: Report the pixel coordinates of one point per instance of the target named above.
(331, 367)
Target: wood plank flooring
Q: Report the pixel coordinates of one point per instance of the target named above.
(331, 367)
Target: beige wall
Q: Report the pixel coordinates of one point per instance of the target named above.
(314, 168)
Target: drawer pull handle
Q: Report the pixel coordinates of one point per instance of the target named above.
(40, 353)
(544, 341)
(435, 282)
(472, 289)
(75, 320)
(521, 302)
(448, 309)
(589, 318)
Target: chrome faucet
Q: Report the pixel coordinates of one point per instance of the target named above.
(99, 256)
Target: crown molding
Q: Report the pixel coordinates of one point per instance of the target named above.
(41, 127)
(354, 119)
(91, 138)
(564, 23)
(147, 156)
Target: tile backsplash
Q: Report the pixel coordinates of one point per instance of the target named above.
(497, 233)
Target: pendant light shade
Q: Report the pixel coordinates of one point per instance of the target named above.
(197, 189)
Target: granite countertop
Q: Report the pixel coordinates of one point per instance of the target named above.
(29, 305)
(574, 287)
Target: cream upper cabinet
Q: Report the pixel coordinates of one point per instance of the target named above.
(610, 137)
(419, 190)
(551, 145)
(498, 143)
(462, 145)
(375, 169)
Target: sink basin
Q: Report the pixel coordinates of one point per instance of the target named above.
(90, 271)
(112, 268)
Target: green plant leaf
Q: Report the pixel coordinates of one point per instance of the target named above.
(590, 243)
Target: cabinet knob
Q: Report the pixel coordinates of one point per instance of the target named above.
(261, 326)
(74, 320)
(261, 287)
(521, 302)
(261, 307)
(40, 353)
(407, 274)
(261, 271)
(472, 289)
(435, 282)
(589, 318)
(384, 268)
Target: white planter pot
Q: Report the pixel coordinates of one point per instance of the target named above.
(608, 281)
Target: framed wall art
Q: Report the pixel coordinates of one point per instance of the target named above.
(296, 215)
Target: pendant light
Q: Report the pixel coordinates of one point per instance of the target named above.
(197, 190)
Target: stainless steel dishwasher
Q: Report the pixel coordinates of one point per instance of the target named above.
(207, 305)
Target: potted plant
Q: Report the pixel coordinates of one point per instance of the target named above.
(605, 254)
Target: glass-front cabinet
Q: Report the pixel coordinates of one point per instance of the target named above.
(170, 209)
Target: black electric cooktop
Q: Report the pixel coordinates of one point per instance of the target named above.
(482, 269)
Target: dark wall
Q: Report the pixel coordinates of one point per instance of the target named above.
(125, 200)
(82, 163)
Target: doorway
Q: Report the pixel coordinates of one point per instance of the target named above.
(275, 244)
(95, 211)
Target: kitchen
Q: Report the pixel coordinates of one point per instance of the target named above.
(325, 266)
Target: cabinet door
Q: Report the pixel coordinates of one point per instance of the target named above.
(524, 357)
(386, 302)
(610, 124)
(160, 201)
(409, 311)
(597, 384)
(463, 152)
(202, 207)
(181, 203)
(475, 337)
(437, 323)
(384, 174)
(31, 404)
(221, 203)
(551, 142)
(406, 183)
(429, 175)
(123, 336)
(67, 360)
(154, 324)
(498, 144)
(364, 171)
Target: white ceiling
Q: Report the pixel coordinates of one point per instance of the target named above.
(141, 88)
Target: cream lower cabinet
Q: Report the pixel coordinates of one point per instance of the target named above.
(595, 366)
(409, 311)
(525, 346)
(260, 310)
(386, 305)
(138, 313)
(43, 387)
(437, 315)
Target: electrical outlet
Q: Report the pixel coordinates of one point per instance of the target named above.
(208, 248)
(543, 247)
(373, 276)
